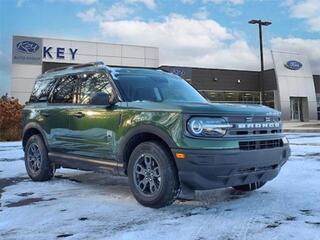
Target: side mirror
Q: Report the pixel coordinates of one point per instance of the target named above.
(100, 98)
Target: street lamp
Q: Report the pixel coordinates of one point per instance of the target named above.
(261, 23)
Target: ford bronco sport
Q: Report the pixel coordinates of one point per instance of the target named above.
(151, 126)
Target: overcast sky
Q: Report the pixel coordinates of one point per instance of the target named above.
(202, 33)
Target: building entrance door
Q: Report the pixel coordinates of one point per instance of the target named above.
(296, 108)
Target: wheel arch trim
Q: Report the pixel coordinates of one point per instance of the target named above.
(36, 126)
(143, 129)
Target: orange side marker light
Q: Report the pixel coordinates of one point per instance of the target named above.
(180, 155)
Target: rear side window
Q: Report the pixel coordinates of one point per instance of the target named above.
(93, 83)
(41, 90)
(65, 89)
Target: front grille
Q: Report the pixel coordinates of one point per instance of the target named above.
(264, 144)
(256, 125)
(254, 132)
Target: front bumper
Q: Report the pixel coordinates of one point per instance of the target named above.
(210, 169)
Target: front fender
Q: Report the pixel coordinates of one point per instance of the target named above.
(143, 129)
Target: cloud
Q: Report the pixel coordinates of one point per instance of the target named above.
(89, 15)
(196, 41)
(202, 13)
(308, 46)
(86, 2)
(228, 7)
(307, 10)
(230, 11)
(234, 2)
(115, 12)
(20, 3)
(185, 41)
(314, 23)
(151, 4)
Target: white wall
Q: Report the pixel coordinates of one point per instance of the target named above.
(22, 80)
(110, 54)
(294, 83)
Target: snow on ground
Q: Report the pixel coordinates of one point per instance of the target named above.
(85, 205)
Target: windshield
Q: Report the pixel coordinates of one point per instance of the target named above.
(155, 86)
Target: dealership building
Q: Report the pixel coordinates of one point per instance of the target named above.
(289, 87)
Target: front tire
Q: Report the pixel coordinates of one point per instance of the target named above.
(152, 175)
(249, 187)
(38, 165)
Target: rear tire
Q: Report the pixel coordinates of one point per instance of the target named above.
(38, 165)
(249, 187)
(153, 177)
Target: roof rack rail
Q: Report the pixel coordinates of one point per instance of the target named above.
(58, 69)
(90, 64)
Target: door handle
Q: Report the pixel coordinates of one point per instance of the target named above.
(78, 115)
(45, 114)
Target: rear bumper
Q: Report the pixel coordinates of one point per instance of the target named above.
(210, 169)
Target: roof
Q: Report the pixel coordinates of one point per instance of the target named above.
(93, 66)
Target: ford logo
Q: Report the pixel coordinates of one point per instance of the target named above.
(178, 72)
(27, 47)
(293, 65)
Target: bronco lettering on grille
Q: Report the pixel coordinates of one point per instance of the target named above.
(258, 125)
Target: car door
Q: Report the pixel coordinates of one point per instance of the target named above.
(56, 114)
(94, 126)
(47, 115)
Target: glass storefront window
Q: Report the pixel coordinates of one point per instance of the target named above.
(318, 105)
(215, 96)
(269, 99)
(248, 97)
(231, 96)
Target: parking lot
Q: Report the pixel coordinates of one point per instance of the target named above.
(79, 205)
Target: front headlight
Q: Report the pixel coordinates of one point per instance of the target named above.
(207, 126)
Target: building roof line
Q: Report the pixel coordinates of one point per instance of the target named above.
(218, 69)
(88, 41)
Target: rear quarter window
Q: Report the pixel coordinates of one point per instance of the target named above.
(42, 89)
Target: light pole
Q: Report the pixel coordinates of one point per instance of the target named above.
(261, 23)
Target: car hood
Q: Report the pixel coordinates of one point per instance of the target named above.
(207, 108)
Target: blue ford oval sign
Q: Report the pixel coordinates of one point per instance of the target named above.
(27, 46)
(293, 65)
(178, 72)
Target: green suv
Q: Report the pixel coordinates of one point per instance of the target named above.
(151, 126)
